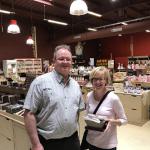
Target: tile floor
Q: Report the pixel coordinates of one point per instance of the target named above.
(130, 137)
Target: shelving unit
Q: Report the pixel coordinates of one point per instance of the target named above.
(136, 58)
(142, 65)
(29, 65)
(78, 61)
(13, 67)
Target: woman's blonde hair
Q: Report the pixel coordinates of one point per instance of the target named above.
(102, 70)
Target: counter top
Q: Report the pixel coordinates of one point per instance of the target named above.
(13, 117)
(12, 90)
(135, 94)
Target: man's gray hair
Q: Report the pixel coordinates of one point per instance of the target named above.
(64, 46)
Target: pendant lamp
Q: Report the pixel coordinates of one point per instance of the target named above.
(78, 7)
(13, 28)
(29, 41)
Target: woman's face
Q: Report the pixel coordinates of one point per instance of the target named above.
(99, 81)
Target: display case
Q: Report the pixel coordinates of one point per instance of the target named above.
(136, 106)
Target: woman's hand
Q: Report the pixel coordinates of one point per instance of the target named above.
(116, 122)
(112, 122)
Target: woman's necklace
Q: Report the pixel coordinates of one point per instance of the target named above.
(99, 94)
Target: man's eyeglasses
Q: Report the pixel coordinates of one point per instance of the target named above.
(64, 59)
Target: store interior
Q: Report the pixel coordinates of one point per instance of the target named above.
(124, 49)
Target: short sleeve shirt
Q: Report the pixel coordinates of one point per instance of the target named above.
(55, 105)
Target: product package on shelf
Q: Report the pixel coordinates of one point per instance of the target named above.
(119, 76)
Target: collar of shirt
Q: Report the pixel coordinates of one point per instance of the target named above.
(60, 78)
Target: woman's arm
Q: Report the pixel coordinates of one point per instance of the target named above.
(116, 122)
(120, 118)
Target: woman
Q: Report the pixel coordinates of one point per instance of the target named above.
(111, 110)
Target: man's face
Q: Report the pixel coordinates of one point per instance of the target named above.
(63, 62)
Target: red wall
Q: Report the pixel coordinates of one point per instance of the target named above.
(14, 46)
(117, 47)
(120, 47)
(141, 44)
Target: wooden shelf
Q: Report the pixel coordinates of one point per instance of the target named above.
(29, 65)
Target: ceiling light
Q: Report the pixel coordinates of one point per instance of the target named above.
(78, 8)
(29, 41)
(119, 34)
(43, 2)
(92, 29)
(13, 28)
(124, 23)
(147, 31)
(57, 22)
(94, 14)
(6, 12)
(117, 29)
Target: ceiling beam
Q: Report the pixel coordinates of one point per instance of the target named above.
(141, 13)
(103, 33)
(109, 11)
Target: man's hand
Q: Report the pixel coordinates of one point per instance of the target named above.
(37, 147)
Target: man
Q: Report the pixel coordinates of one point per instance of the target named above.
(52, 105)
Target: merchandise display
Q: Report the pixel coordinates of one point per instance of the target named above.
(119, 76)
(13, 108)
(12, 68)
(29, 65)
(102, 62)
(19, 74)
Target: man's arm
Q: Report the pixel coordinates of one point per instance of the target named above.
(30, 125)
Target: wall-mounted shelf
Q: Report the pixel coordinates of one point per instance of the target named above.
(29, 65)
(139, 65)
(13, 67)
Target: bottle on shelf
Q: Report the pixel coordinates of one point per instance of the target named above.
(133, 66)
(129, 65)
(137, 66)
(119, 67)
(138, 89)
